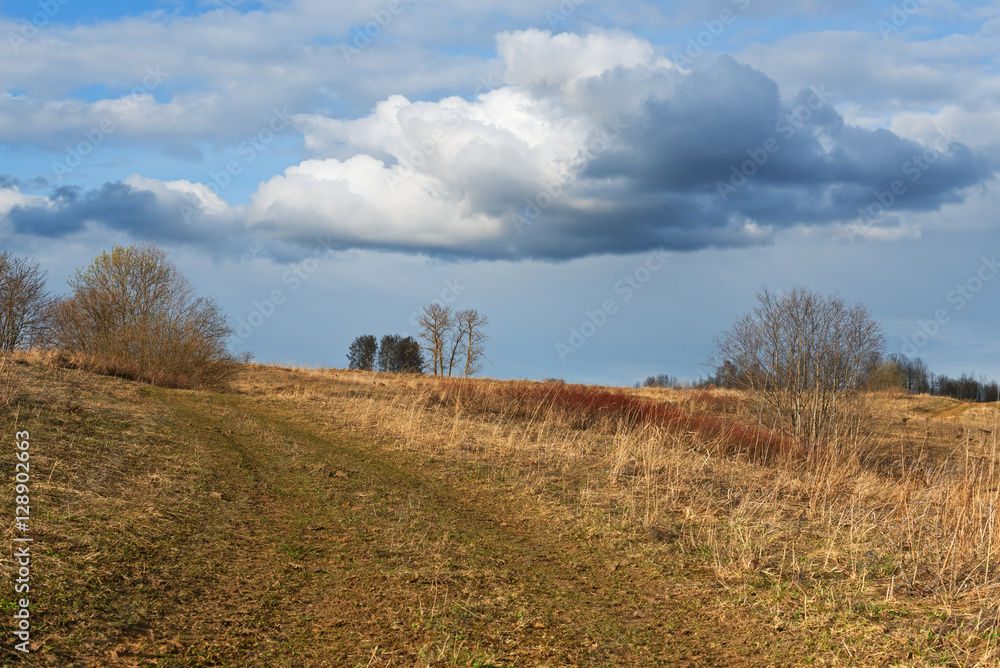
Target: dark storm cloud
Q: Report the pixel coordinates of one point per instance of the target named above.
(117, 206)
(724, 148)
(10, 182)
(720, 161)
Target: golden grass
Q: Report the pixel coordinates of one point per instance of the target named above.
(207, 375)
(907, 518)
(892, 542)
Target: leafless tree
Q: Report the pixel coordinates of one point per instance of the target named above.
(455, 350)
(132, 312)
(436, 323)
(24, 302)
(470, 324)
(453, 340)
(804, 360)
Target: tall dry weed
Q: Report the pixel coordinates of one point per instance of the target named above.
(906, 509)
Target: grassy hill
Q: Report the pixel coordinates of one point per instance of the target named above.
(333, 518)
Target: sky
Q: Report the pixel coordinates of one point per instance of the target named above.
(610, 183)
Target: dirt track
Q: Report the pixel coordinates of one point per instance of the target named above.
(185, 529)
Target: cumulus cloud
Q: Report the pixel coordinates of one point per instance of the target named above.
(591, 144)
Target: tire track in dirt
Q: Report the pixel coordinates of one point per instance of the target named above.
(402, 562)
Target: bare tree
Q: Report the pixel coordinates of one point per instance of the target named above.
(436, 323)
(455, 344)
(133, 313)
(469, 325)
(804, 360)
(24, 302)
(453, 338)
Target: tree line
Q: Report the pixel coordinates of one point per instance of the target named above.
(913, 376)
(809, 364)
(394, 353)
(453, 342)
(895, 371)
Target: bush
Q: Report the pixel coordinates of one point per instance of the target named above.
(24, 303)
(805, 360)
(133, 314)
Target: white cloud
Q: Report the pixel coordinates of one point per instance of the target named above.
(195, 195)
(444, 174)
(362, 201)
(610, 146)
(12, 196)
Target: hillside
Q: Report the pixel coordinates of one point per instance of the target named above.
(330, 518)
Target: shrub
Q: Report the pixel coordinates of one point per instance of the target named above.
(131, 313)
(587, 407)
(805, 361)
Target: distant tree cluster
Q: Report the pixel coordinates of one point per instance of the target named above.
(913, 376)
(668, 381)
(661, 380)
(453, 341)
(966, 388)
(394, 353)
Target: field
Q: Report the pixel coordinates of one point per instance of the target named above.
(333, 518)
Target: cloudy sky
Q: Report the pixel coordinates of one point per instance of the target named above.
(611, 183)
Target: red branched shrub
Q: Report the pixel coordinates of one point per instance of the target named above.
(586, 407)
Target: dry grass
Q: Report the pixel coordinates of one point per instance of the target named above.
(191, 529)
(10, 385)
(882, 553)
(903, 523)
(207, 375)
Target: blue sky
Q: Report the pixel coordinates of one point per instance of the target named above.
(610, 183)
